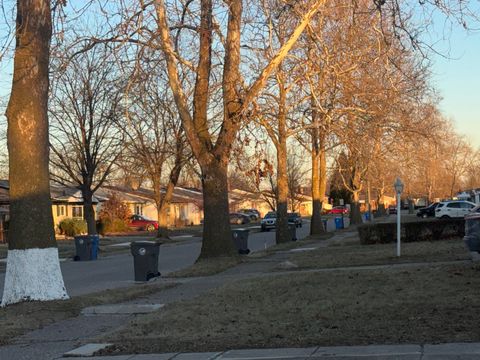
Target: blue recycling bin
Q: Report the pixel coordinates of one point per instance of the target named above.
(339, 223)
(86, 247)
(367, 216)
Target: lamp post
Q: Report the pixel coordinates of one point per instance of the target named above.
(398, 185)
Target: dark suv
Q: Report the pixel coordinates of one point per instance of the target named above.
(295, 218)
(428, 211)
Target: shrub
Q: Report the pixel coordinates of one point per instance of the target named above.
(111, 226)
(72, 227)
(426, 230)
(114, 216)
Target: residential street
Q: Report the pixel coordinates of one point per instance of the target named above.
(117, 270)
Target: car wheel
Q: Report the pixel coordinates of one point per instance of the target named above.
(445, 217)
(150, 228)
(262, 229)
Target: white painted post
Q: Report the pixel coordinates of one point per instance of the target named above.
(398, 185)
(399, 228)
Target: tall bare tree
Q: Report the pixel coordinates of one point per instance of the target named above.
(33, 268)
(155, 138)
(85, 107)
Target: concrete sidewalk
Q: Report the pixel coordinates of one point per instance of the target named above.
(458, 351)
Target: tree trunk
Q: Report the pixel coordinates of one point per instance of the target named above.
(282, 233)
(33, 268)
(217, 234)
(88, 212)
(162, 218)
(319, 181)
(355, 214)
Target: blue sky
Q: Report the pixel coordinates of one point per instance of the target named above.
(457, 78)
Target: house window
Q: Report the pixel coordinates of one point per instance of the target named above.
(138, 210)
(77, 212)
(60, 210)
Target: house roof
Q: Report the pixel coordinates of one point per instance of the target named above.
(143, 195)
(58, 193)
(238, 195)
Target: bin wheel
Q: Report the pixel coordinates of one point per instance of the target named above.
(244, 251)
(76, 258)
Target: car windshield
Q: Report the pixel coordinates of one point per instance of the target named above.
(270, 215)
(292, 215)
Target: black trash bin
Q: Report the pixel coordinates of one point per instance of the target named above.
(292, 229)
(240, 239)
(472, 232)
(86, 247)
(145, 259)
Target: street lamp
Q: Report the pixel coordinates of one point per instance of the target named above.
(398, 185)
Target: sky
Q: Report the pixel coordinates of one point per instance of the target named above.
(457, 78)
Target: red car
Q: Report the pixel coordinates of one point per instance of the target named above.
(140, 222)
(339, 210)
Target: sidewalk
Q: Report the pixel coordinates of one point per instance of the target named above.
(457, 351)
(77, 336)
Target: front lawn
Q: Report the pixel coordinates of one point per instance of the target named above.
(432, 304)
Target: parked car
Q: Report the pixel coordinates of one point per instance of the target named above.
(453, 209)
(269, 221)
(339, 210)
(295, 218)
(427, 211)
(239, 218)
(392, 209)
(140, 222)
(252, 213)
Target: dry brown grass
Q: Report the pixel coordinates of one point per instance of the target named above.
(19, 318)
(207, 267)
(414, 305)
(358, 255)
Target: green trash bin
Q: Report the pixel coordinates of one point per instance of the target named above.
(145, 259)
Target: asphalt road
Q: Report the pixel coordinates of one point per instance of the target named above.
(116, 271)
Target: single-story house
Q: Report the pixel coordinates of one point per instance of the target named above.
(67, 202)
(243, 199)
(186, 207)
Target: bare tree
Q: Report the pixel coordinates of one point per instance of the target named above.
(296, 171)
(156, 141)
(31, 234)
(85, 107)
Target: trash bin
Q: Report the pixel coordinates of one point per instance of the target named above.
(240, 239)
(472, 232)
(145, 259)
(292, 228)
(86, 247)
(367, 216)
(325, 223)
(339, 223)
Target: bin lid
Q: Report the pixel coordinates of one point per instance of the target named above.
(145, 243)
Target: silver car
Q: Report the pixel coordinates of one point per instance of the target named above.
(269, 221)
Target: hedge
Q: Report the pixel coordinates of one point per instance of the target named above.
(72, 227)
(425, 230)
